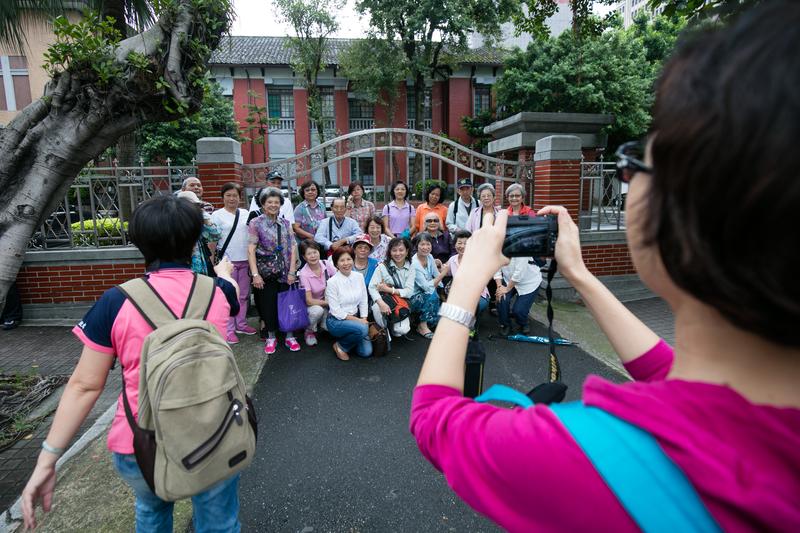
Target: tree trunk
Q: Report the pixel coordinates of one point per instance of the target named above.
(44, 148)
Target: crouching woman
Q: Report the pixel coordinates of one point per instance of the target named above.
(346, 294)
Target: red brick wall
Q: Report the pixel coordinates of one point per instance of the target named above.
(557, 183)
(342, 112)
(251, 153)
(608, 259)
(72, 283)
(302, 135)
(459, 104)
(213, 176)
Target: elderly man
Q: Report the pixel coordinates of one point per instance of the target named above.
(192, 184)
(274, 179)
(458, 212)
(338, 229)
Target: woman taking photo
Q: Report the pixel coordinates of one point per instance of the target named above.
(362, 262)
(398, 215)
(723, 406)
(346, 295)
(441, 241)
(377, 238)
(515, 204)
(358, 208)
(394, 276)
(313, 278)
(233, 245)
(433, 204)
(272, 255)
(486, 203)
(308, 213)
(427, 279)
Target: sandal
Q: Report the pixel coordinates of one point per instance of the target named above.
(428, 335)
(341, 355)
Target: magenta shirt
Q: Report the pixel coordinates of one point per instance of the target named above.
(523, 470)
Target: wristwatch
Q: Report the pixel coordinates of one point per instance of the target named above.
(457, 314)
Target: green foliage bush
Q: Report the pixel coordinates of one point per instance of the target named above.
(419, 191)
(109, 231)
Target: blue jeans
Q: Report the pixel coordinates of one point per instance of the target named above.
(483, 303)
(350, 334)
(519, 310)
(215, 510)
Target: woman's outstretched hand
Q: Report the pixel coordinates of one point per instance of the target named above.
(568, 245)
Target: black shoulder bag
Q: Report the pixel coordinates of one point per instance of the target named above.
(221, 251)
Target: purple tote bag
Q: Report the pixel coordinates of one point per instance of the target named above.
(292, 311)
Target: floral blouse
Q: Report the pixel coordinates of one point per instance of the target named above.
(360, 214)
(263, 232)
(379, 251)
(208, 234)
(309, 217)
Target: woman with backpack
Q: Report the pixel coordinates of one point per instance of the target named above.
(712, 427)
(393, 279)
(398, 215)
(164, 229)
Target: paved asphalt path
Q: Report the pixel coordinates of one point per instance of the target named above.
(334, 450)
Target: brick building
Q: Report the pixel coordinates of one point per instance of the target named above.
(257, 70)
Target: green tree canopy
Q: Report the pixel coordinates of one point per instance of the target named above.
(177, 140)
(612, 72)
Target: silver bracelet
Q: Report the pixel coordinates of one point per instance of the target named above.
(58, 452)
(457, 315)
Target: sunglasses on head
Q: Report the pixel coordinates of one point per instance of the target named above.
(630, 157)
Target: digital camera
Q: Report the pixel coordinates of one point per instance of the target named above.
(531, 236)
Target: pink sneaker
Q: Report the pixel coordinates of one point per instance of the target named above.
(310, 338)
(231, 338)
(292, 344)
(246, 330)
(270, 346)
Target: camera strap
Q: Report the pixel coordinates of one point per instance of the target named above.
(554, 390)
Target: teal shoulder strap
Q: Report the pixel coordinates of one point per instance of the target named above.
(652, 489)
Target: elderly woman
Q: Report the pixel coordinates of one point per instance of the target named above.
(272, 255)
(377, 238)
(346, 294)
(486, 196)
(516, 206)
(441, 241)
(314, 278)
(232, 223)
(394, 276)
(358, 208)
(363, 263)
(714, 419)
(308, 213)
(427, 279)
(399, 214)
(433, 204)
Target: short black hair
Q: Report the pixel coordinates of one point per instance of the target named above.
(461, 234)
(395, 184)
(230, 186)
(339, 252)
(374, 218)
(422, 236)
(722, 203)
(432, 188)
(309, 243)
(307, 185)
(166, 229)
(352, 187)
(394, 242)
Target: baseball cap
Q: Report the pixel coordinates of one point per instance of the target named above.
(464, 182)
(274, 175)
(189, 195)
(363, 238)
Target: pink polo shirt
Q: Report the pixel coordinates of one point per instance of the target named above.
(522, 469)
(313, 283)
(114, 327)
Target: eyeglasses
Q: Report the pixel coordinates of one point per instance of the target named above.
(515, 196)
(431, 220)
(629, 161)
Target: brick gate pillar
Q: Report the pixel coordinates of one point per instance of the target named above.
(219, 160)
(557, 178)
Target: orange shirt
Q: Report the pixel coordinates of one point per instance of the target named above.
(423, 209)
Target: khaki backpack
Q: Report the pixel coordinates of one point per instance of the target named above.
(196, 424)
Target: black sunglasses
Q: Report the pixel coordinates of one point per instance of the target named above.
(629, 161)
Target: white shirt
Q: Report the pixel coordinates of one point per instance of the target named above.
(457, 221)
(237, 248)
(346, 295)
(523, 272)
(286, 212)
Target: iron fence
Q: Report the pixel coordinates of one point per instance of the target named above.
(95, 211)
(602, 197)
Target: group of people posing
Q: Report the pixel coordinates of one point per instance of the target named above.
(357, 264)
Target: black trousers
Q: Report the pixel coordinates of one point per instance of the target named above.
(266, 300)
(13, 308)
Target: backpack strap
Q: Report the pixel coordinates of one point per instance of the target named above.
(198, 304)
(653, 490)
(148, 302)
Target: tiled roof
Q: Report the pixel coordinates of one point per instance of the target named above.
(241, 50)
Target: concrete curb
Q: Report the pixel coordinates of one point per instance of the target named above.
(11, 519)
